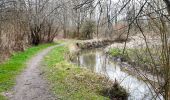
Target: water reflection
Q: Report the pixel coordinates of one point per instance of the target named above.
(97, 61)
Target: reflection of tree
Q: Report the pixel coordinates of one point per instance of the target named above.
(104, 64)
(89, 61)
(78, 59)
(93, 60)
(107, 63)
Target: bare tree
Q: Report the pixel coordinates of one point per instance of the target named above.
(138, 14)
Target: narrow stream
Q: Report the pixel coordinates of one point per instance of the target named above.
(98, 62)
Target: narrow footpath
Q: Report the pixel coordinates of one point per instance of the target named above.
(30, 85)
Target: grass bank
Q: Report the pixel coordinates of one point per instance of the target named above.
(140, 59)
(11, 68)
(70, 82)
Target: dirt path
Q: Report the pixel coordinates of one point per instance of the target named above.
(30, 84)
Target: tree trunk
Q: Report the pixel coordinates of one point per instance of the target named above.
(167, 91)
(167, 2)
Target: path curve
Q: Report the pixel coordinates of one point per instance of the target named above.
(30, 85)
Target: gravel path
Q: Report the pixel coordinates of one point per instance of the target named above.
(30, 85)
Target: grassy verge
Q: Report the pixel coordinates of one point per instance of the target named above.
(115, 52)
(140, 59)
(11, 68)
(118, 53)
(70, 82)
(139, 55)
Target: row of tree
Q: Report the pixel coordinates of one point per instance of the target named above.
(31, 22)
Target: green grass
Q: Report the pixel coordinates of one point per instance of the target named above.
(2, 97)
(11, 68)
(70, 82)
(139, 55)
(115, 52)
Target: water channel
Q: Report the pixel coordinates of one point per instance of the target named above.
(97, 61)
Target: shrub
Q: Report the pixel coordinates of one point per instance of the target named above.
(87, 30)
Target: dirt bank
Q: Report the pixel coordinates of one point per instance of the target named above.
(90, 44)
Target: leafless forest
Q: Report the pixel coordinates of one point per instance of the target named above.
(144, 22)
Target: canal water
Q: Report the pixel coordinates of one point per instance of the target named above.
(97, 61)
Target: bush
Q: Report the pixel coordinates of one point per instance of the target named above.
(87, 30)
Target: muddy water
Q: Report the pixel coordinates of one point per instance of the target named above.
(98, 62)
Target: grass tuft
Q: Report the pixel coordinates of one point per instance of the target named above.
(115, 52)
